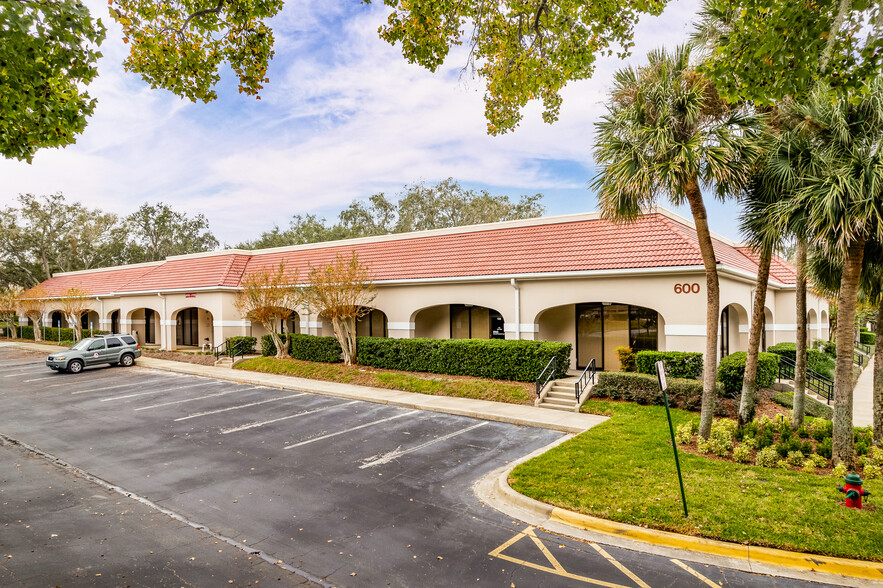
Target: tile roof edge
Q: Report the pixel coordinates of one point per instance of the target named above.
(109, 269)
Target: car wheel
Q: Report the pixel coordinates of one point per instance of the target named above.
(75, 367)
(127, 360)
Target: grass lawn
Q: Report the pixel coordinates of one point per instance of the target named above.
(623, 470)
(459, 386)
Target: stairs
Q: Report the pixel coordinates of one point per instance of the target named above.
(224, 361)
(560, 396)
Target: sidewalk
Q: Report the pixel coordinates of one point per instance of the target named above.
(863, 398)
(516, 414)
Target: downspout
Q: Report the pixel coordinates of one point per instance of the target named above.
(517, 308)
(163, 325)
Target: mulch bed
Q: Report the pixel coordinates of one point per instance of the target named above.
(180, 356)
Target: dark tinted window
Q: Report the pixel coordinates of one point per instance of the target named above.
(129, 339)
(114, 342)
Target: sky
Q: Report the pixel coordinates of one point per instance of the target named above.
(343, 117)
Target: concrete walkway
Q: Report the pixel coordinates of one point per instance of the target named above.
(517, 414)
(863, 398)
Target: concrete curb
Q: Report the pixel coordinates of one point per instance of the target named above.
(494, 490)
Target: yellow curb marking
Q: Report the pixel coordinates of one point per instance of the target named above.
(687, 568)
(621, 567)
(557, 568)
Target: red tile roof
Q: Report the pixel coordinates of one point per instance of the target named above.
(102, 281)
(780, 270)
(655, 240)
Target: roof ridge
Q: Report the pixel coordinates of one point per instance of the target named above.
(140, 276)
(684, 237)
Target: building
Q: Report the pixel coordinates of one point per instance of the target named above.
(575, 278)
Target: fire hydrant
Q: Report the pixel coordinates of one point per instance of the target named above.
(853, 490)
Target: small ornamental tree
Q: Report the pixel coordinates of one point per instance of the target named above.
(268, 297)
(342, 291)
(32, 305)
(8, 307)
(74, 302)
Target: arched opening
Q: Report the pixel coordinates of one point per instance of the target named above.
(601, 327)
(767, 324)
(89, 322)
(373, 324)
(194, 327)
(459, 321)
(57, 319)
(824, 326)
(144, 326)
(812, 327)
(115, 322)
(288, 325)
(733, 334)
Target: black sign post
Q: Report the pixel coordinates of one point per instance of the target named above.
(663, 385)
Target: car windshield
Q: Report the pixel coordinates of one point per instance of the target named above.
(83, 344)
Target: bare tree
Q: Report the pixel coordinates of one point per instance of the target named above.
(8, 308)
(32, 304)
(74, 302)
(342, 291)
(268, 296)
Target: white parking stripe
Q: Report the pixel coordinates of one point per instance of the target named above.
(123, 384)
(158, 391)
(328, 436)
(285, 418)
(208, 412)
(202, 397)
(38, 379)
(396, 453)
(23, 373)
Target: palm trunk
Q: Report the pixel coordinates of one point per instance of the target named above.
(797, 412)
(749, 380)
(878, 380)
(847, 300)
(712, 308)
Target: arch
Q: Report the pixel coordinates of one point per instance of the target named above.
(812, 327)
(289, 325)
(373, 324)
(194, 326)
(768, 335)
(57, 319)
(144, 324)
(458, 321)
(90, 320)
(114, 321)
(733, 331)
(824, 326)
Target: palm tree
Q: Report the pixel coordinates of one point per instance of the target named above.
(842, 198)
(667, 132)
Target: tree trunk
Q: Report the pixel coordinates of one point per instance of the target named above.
(38, 335)
(847, 300)
(346, 337)
(797, 412)
(712, 309)
(281, 348)
(749, 380)
(74, 320)
(878, 380)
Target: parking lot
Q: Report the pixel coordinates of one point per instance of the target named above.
(350, 493)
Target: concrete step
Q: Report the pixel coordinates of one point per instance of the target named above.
(557, 407)
(560, 388)
(567, 394)
(559, 401)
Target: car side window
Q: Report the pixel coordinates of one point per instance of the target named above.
(96, 345)
(114, 342)
(129, 340)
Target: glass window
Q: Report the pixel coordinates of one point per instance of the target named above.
(643, 329)
(96, 345)
(128, 339)
(114, 342)
(82, 344)
(616, 333)
(589, 335)
(459, 321)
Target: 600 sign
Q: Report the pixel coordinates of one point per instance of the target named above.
(687, 288)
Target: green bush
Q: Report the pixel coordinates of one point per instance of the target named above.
(817, 361)
(644, 389)
(305, 347)
(244, 344)
(867, 338)
(678, 364)
(811, 407)
(626, 358)
(829, 348)
(51, 333)
(732, 371)
(497, 359)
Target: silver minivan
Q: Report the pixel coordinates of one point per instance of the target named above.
(113, 349)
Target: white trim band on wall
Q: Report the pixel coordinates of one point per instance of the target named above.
(744, 328)
(137, 322)
(104, 321)
(525, 327)
(311, 324)
(125, 321)
(685, 330)
(231, 324)
(400, 326)
(168, 323)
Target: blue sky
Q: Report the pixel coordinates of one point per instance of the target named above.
(343, 117)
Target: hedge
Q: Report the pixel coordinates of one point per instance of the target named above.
(245, 344)
(867, 338)
(306, 347)
(51, 333)
(678, 364)
(817, 361)
(811, 406)
(827, 347)
(644, 389)
(497, 359)
(731, 371)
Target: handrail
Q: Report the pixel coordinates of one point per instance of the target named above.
(866, 349)
(814, 380)
(858, 358)
(551, 367)
(582, 382)
(232, 352)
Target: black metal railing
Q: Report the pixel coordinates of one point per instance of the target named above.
(233, 351)
(859, 358)
(866, 349)
(547, 374)
(588, 373)
(814, 380)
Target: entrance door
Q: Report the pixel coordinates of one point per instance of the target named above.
(601, 328)
(589, 335)
(187, 328)
(115, 322)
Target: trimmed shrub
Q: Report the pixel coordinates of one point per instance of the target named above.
(245, 344)
(305, 347)
(742, 453)
(626, 358)
(644, 389)
(816, 360)
(678, 364)
(732, 370)
(497, 359)
(811, 407)
(867, 338)
(766, 457)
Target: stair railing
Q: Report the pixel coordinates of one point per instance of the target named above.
(815, 381)
(589, 373)
(547, 374)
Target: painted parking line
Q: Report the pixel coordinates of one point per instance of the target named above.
(619, 566)
(128, 384)
(398, 452)
(695, 574)
(285, 418)
(157, 391)
(38, 379)
(350, 430)
(250, 404)
(24, 373)
(555, 567)
(215, 395)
